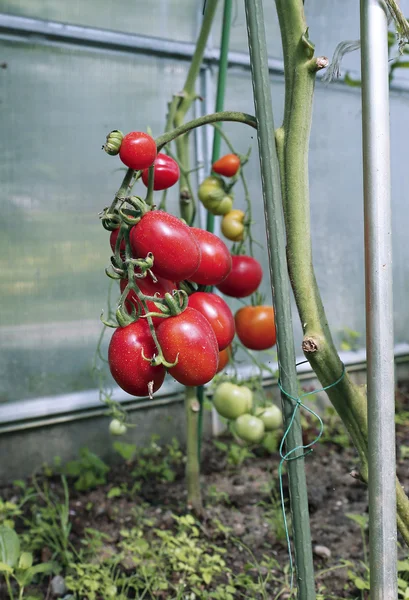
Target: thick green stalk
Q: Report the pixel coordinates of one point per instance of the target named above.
(187, 96)
(281, 291)
(194, 496)
(292, 141)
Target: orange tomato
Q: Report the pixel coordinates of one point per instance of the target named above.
(255, 327)
(224, 357)
(227, 165)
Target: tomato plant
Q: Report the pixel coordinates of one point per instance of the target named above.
(166, 172)
(215, 263)
(249, 428)
(227, 165)
(138, 150)
(128, 366)
(149, 288)
(224, 357)
(176, 250)
(233, 225)
(255, 327)
(189, 338)
(218, 313)
(244, 278)
(232, 400)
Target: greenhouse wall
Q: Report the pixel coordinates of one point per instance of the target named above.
(70, 73)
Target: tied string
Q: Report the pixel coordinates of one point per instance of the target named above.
(307, 449)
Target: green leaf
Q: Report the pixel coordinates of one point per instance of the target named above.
(5, 568)
(127, 451)
(9, 546)
(114, 492)
(352, 82)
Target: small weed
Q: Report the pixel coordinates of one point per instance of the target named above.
(88, 471)
(215, 496)
(235, 454)
(153, 461)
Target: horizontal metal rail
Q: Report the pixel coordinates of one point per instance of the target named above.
(26, 29)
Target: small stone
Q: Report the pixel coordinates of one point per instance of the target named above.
(322, 552)
(58, 587)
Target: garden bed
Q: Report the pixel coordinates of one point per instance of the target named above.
(132, 526)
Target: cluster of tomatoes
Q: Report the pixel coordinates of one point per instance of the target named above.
(235, 402)
(187, 335)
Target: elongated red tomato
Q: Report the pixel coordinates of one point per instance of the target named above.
(112, 240)
(244, 278)
(149, 288)
(215, 263)
(128, 367)
(190, 338)
(138, 150)
(166, 172)
(218, 313)
(175, 248)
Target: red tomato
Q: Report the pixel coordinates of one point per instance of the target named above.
(255, 327)
(112, 240)
(128, 367)
(215, 263)
(218, 313)
(138, 150)
(227, 165)
(190, 338)
(224, 357)
(149, 288)
(166, 173)
(175, 248)
(244, 278)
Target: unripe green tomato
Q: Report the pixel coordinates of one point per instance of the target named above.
(249, 428)
(271, 417)
(232, 400)
(223, 207)
(117, 428)
(211, 191)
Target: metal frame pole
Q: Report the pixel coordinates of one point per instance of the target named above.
(379, 305)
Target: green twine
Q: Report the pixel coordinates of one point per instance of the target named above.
(306, 448)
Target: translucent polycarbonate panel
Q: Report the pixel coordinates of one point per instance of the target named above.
(336, 200)
(171, 19)
(57, 107)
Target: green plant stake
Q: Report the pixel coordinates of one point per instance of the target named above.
(281, 287)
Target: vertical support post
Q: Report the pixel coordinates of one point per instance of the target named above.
(281, 287)
(379, 306)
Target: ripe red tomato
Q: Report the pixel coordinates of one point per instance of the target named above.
(224, 357)
(138, 150)
(128, 367)
(175, 248)
(215, 263)
(112, 240)
(218, 313)
(166, 173)
(190, 338)
(227, 165)
(244, 278)
(149, 288)
(255, 327)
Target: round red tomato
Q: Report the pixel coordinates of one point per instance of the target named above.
(138, 150)
(175, 249)
(244, 278)
(166, 173)
(215, 263)
(128, 367)
(149, 288)
(227, 165)
(190, 338)
(224, 357)
(255, 327)
(112, 240)
(218, 313)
